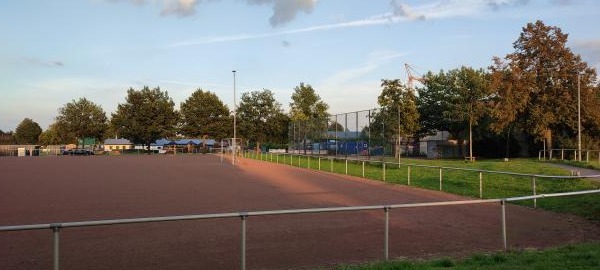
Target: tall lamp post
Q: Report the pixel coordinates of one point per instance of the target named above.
(234, 120)
(579, 116)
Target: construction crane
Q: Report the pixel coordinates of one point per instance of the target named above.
(410, 74)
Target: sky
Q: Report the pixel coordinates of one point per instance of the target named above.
(54, 52)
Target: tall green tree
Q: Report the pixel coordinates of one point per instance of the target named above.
(52, 136)
(536, 88)
(261, 118)
(27, 132)
(399, 110)
(147, 115)
(82, 119)
(309, 112)
(7, 137)
(469, 94)
(203, 113)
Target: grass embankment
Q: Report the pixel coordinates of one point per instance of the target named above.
(426, 174)
(579, 256)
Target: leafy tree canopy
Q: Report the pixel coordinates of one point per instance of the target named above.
(306, 104)
(536, 88)
(147, 115)
(203, 113)
(81, 119)
(398, 108)
(261, 118)
(27, 132)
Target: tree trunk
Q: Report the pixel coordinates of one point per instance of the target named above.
(470, 140)
(548, 139)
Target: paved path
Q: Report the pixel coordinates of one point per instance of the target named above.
(582, 171)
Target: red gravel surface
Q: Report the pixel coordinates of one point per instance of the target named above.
(64, 189)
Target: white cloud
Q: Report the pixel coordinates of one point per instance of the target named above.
(400, 13)
(284, 11)
(180, 8)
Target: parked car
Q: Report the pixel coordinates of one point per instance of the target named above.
(78, 152)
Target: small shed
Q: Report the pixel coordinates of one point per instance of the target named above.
(117, 144)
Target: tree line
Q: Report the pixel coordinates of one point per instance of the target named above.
(532, 92)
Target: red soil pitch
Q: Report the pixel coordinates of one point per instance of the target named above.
(37, 190)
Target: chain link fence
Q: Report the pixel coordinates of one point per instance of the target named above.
(364, 133)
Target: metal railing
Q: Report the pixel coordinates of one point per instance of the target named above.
(299, 160)
(57, 227)
(568, 154)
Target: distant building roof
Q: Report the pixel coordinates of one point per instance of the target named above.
(117, 142)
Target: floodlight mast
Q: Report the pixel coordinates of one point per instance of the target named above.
(234, 121)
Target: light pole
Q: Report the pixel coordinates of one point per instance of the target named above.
(579, 116)
(234, 120)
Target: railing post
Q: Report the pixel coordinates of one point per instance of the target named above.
(587, 156)
(243, 216)
(319, 163)
(384, 171)
(331, 164)
(503, 204)
(346, 166)
(386, 233)
(408, 175)
(562, 154)
(480, 185)
(56, 251)
(363, 169)
(440, 178)
(533, 187)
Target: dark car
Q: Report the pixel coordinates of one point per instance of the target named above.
(78, 152)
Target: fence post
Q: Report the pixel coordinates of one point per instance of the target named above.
(346, 166)
(587, 156)
(386, 233)
(244, 216)
(299, 159)
(55, 232)
(480, 185)
(331, 164)
(363, 169)
(408, 175)
(440, 178)
(534, 191)
(562, 154)
(309, 162)
(277, 158)
(384, 171)
(319, 163)
(503, 204)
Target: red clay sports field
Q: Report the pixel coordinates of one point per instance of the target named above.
(37, 190)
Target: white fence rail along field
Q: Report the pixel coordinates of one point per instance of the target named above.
(244, 216)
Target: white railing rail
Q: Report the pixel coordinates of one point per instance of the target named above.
(57, 227)
(568, 154)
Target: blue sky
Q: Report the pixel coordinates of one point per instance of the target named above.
(56, 51)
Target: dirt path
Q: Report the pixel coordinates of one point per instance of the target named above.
(61, 189)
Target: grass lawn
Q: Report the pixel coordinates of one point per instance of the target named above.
(578, 256)
(426, 174)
